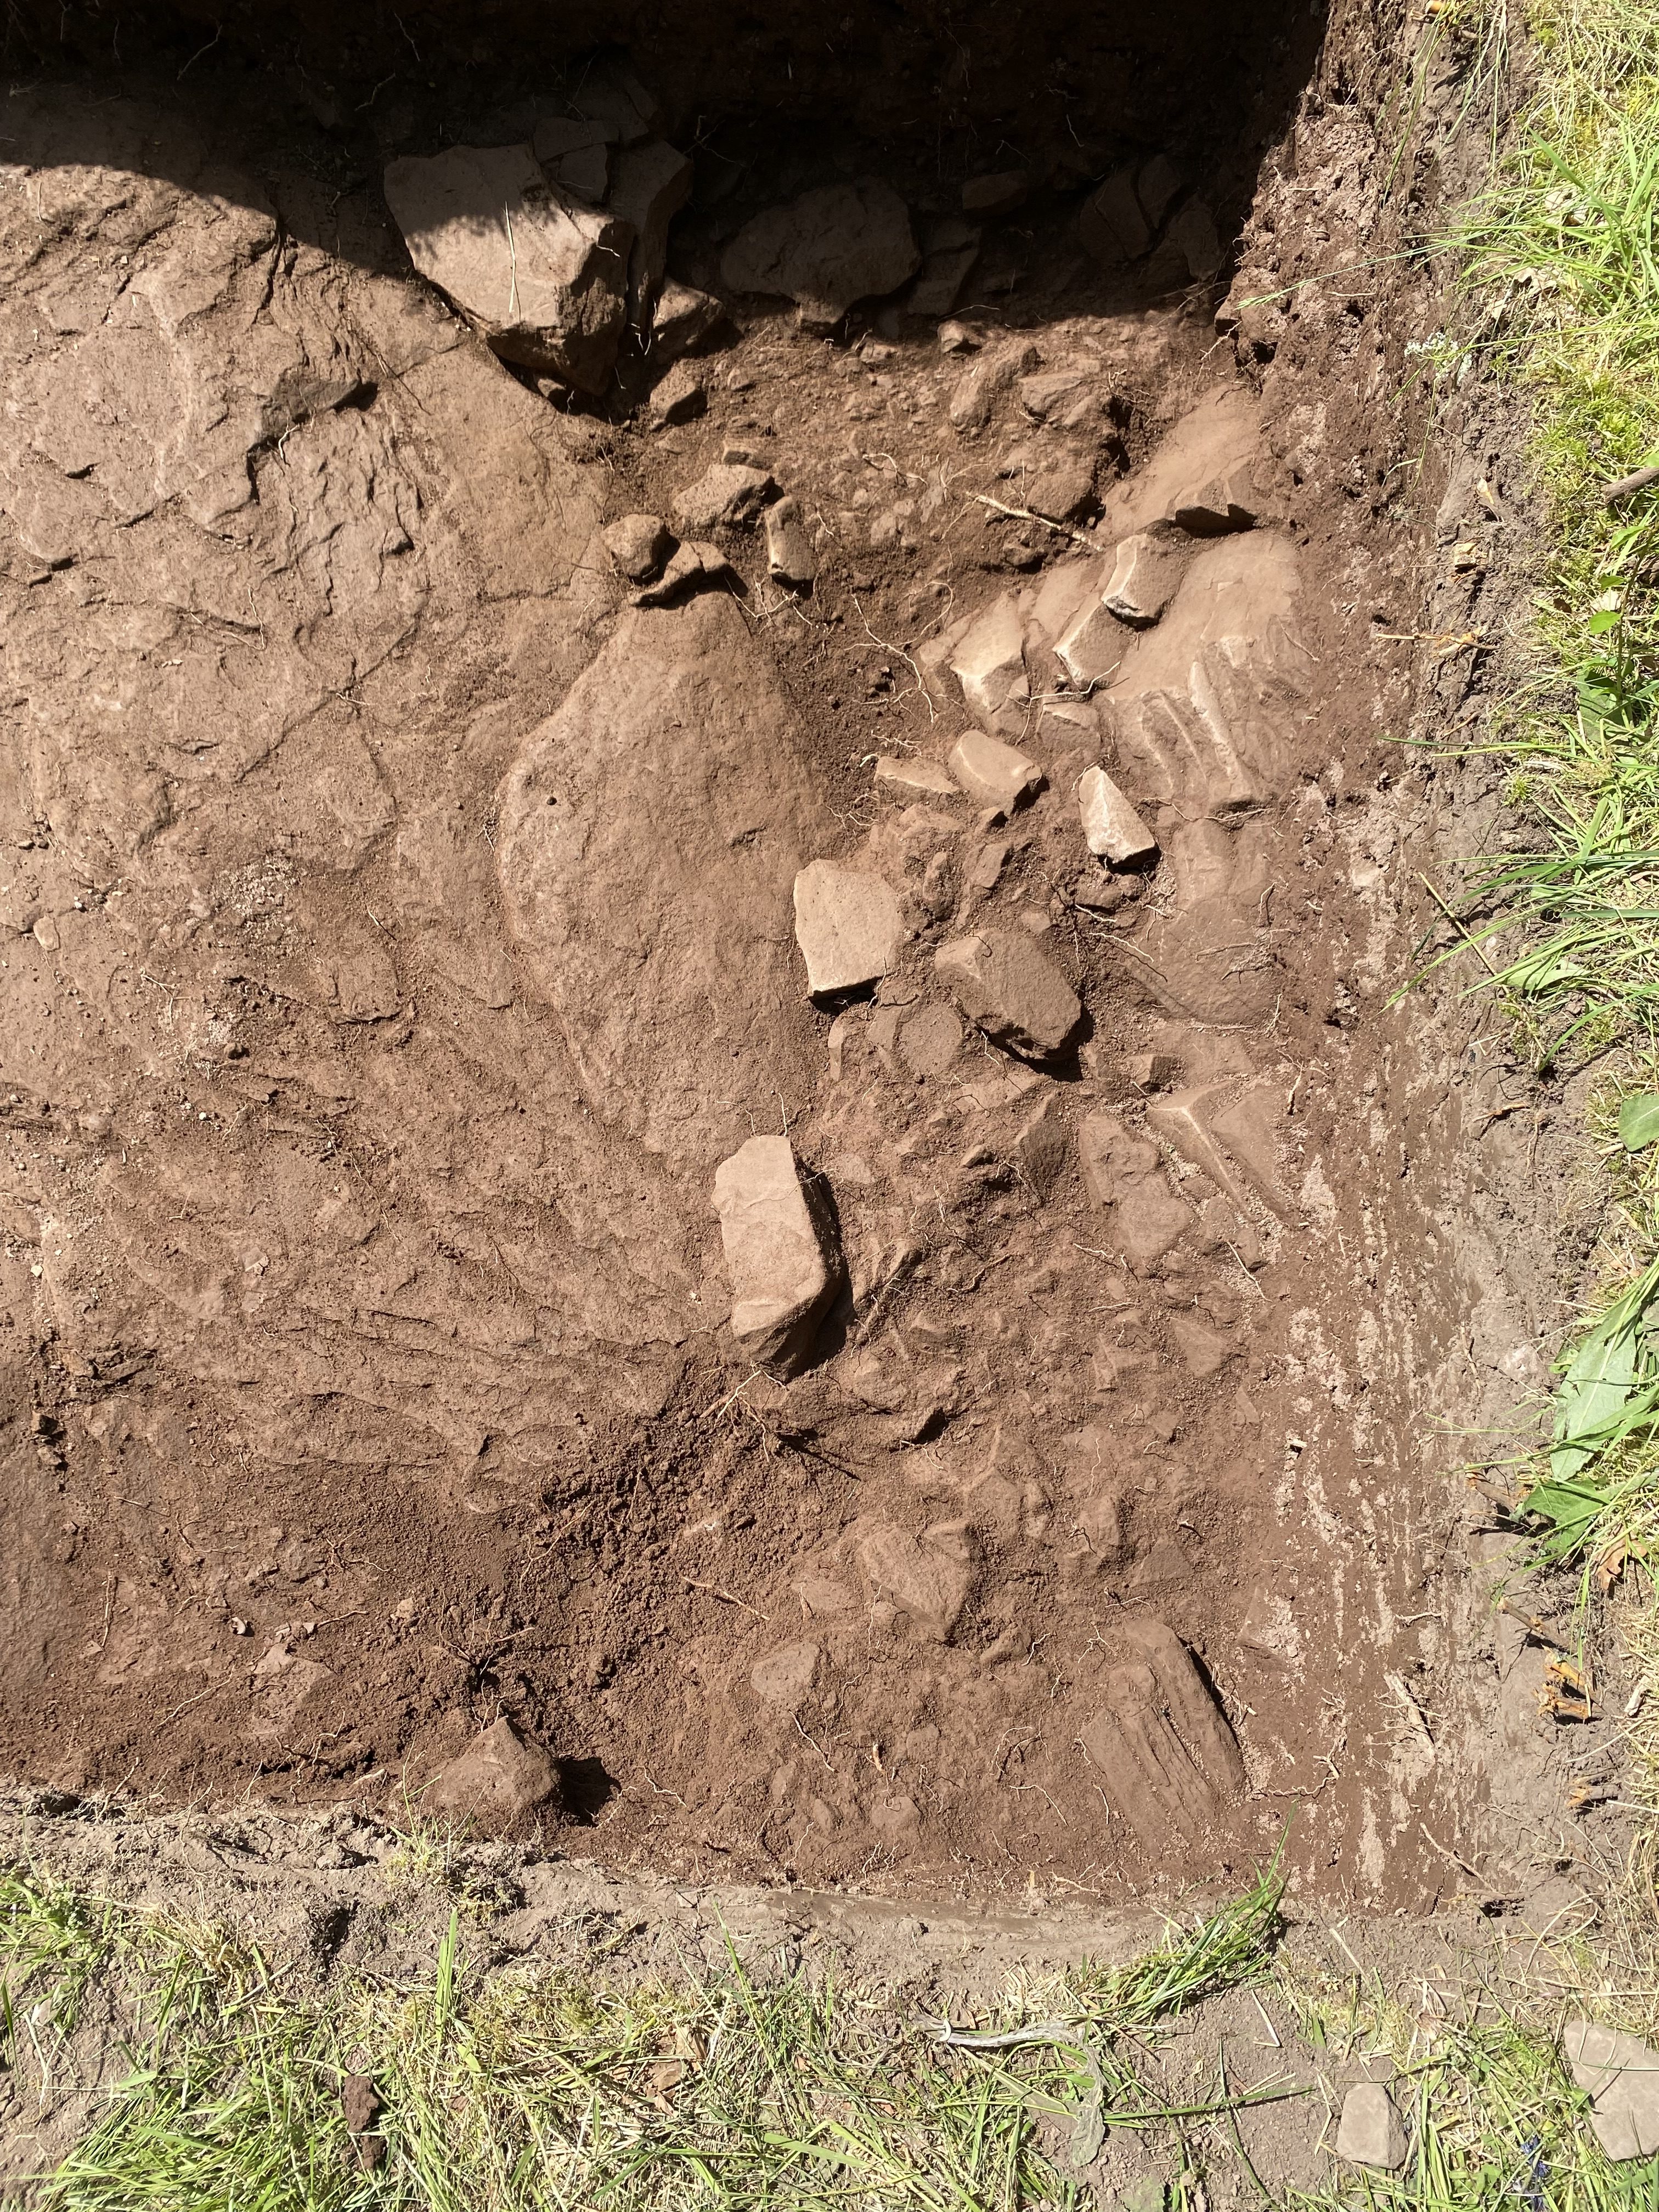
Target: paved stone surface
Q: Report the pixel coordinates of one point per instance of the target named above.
(1370, 2131)
(995, 774)
(989, 663)
(847, 925)
(825, 250)
(778, 1255)
(1111, 828)
(501, 1781)
(1620, 2074)
(539, 274)
(789, 554)
(1010, 989)
(1143, 578)
(725, 496)
(639, 544)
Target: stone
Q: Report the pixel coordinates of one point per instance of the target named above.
(1233, 1140)
(785, 1677)
(1205, 1350)
(610, 92)
(1000, 194)
(957, 338)
(1010, 989)
(1201, 478)
(726, 497)
(639, 544)
(680, 397)
(995, 774)
(789, 553)
(826, 250)
(931, 1040)
(650, 183)
(917, 779)
(690, 566)
(847, 925)
(1144, 575)
(989, 663)
(576, 154)
(1064, 493)
(782, 1265)
(682, 318)
(501, 1781)
(1152, 1071)
(1167, 1759)
(985, 863)
(1111, 829)
(1053, 396)
(538, 275)
(1370, 2131)
(1042, 1145)
(1112, 223)
(921, 1585)
(984, 384)
(1193, 232)
(1124, 1173)
(1620, 2074)
(950, 250)
(1100, 890)
(1092, 647)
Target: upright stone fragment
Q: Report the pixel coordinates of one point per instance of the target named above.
(1620, 2074)
(1010, 989)
(540, 276)
(650, 184)
(1111, 828)
(779, 1255)
(1370, 2131)
(989, 663)
(1143, 578)
(825, 250)
(847, 925)
(994, 774)
(501, 1780)
(789, 554)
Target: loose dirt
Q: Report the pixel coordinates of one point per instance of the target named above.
(400, 935)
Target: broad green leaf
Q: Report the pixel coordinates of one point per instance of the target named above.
(1600, 624)
(1638, 1120)
(1570, 1508)
(1600, 1380)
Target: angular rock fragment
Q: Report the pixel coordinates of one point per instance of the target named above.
(1119, 220)
(682, 318)
(1213, 1129)
(931, 1040)
(639, 544)
(826, 250)
(1124, 1172)
(917, 779)
(1202, 477)
(1000, 194)
(847, 925)
(1620, 2074)
(950, 251)
(989, 663)
(785, 1677)
(1193, 232)
(576, 154)
(921, 1583)
(501, 1781)
(1166, 1757)
(726, 497)
(680, 397)
(611, 92)
(1370, 2131)
(690, 566)
(779, 1256)
(1092, 647)
(1144, 575)
(1009, 989)
(985, 383)
(650, 183)
(1111, 828)
(1042, 1145)
(995, 774)
(789, 554)
(538, 275)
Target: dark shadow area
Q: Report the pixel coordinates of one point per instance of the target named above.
(585, 1790)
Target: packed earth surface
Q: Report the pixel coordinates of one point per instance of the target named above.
(708, 1141)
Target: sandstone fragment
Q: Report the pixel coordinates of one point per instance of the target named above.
(650, 183)
(1166, 1757)
(1124, 1173)
(1143, 578)
(682, 318)
(1092, 644)
(785, 1678)
(998, 194)
(779, 1255)
(995, 774)
(539, 274)
(501, 1780)
(917, 779)
(1111, 828)
(639, 544)
(576, 154)
(1010, 989)
(829, 248)
(989, 663)
(726, 497)
(689, 566)
(848, 927)
(1620, 2074)
(680, 397)
(789, 554)
(1370, 2131)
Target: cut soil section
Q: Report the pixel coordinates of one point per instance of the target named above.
(401, 932)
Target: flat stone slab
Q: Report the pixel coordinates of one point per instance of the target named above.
(1370, 2131)
(825, 250)
(1144, 575)
(1620, 2074)
(917, 779)
(847, 925)
(1123, 1172)
(779, 1255)
(729, 495)
(541, 276)
(989, 663)
(993, 773)
(1010, 989)
(1111, 828)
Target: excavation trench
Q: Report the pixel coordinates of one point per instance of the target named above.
(401, 875)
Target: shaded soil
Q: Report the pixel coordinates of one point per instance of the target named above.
(364, 1358)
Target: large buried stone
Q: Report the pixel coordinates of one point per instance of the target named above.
(1010, 990)
(650, 834)
(542, 276)
(780, 1252)
(1166, 1757)
(825, 250)
(847, 925)
(503, 1781)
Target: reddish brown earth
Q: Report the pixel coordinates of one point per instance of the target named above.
(365, 1374)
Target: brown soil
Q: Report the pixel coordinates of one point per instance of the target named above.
(364, 1362)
